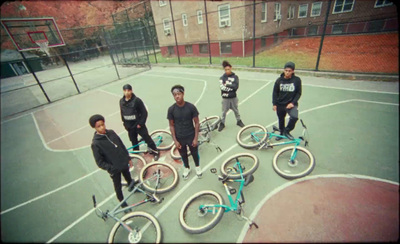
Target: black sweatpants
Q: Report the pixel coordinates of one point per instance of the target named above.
(144, 133)
(117, 182)
(281, 111)
(183, 151)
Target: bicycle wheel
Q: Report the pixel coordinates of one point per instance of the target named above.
(162, 139)
(175, 153)
(251, 136)
(159, 177)
(138, 163)
(195, 219)
(302, 165)
(210, 123)
(249, 163)
(145, 229)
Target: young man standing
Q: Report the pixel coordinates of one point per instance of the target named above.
(229, 84)
(134, 116)
(285, 97)
(184, 126)
(110, 154)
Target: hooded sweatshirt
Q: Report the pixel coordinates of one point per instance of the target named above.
(110, 152)
(133, 112)
(286, 90)
(229, 85)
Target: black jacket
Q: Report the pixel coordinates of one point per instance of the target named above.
(286, 90)
(229, 85)
(110, 152)
(133, 112)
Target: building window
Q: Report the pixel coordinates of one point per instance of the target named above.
(312, 30)
(199, 17)
(277, 12)
(184, 20)
(203, 48)
(263, 42)
(383, 3)
(337, 29)
(226, 47)
(224, 14)
(342, 6)
(290, 13)
(188, 49)
(376, 25)
(316, 9)
(303, 10)
(264, 12)
(167, 27)
(171, 50)
(162, 3)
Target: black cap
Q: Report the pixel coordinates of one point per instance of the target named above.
(94, 119)
(289, 65)
(127, 87)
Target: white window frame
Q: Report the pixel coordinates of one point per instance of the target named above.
(312, 7)
(199, 17)
(225, 18)
(264, 9)
(169, 24)
(340, 12)
(302, 5)
(291, 10)
(184, 20)
(385, 3)
(277, 11)
(162, 3)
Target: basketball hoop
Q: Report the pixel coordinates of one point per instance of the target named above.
(43, 45)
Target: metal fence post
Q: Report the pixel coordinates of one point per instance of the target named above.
(323, 34)
(173, 24)
(254, 33)
(70, 73)
(110, 52)
(149, 31)
(208, 33)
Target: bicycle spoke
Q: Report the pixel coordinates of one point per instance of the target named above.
(195, 216)
(293, 166)
(143, 231)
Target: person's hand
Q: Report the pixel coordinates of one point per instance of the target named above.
(138, 126)
(178, 145)
(194, 143)
(274, 107)
(130, 164)
(290, 106)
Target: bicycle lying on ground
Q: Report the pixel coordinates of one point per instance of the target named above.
(162, 139)
(207, 125)
(289, 162)
(139, 226)
(202, 211)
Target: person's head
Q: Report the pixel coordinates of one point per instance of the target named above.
(127, 91)
(288, 69)
(227, 67)
(97, 122)
(178, 92)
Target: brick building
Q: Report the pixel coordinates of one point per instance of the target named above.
(230, 23)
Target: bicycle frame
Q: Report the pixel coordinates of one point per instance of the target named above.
(157, 140)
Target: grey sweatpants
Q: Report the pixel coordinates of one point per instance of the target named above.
(230, 103)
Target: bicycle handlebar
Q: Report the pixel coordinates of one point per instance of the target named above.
(94, 200)
(302, 123)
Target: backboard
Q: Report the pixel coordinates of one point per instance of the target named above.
(30, 33)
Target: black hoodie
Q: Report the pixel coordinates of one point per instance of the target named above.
(229, 85)
(133, 112)
(286, 90)
(110, 152)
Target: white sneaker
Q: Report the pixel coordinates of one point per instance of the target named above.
(198, 172)
(186, 172)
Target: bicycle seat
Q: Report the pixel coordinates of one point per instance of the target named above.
(248, 180)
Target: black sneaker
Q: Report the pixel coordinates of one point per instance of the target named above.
(279, 138)
(221, 126)
(288, 135)
(240, 123)
(124, 205)
(156, 154)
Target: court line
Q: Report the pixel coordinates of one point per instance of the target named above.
(290, 183)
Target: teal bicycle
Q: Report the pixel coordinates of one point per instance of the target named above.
(162, 139)
(203, 211)
(290, 162)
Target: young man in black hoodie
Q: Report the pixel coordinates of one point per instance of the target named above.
(285, 97)
(111, 155)
(229, 84)
(134, 116)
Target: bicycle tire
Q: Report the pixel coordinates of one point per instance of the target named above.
(250, 166)
(175, 153)
(167, 143)
(213, 122)
(245, 140)
(287, 171)
(138, 163)
(190, 207)
(169, 177)
(117, 236)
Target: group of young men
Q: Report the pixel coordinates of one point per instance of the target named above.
(111, 155)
